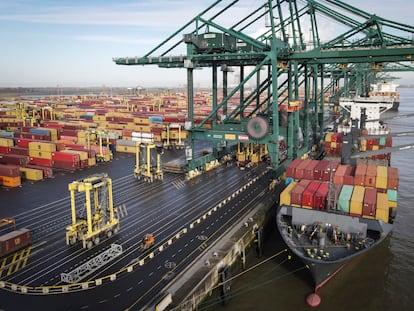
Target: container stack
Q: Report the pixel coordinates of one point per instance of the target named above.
(367, 191)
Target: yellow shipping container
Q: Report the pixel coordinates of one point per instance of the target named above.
(42, 146)
(91, 162)
(382, 211)
(375, 147)
(285, 195)
(31, 174)
(357, 200)
(142, 121)
(392, 204)
(40, 154)
(382, 177)
(333, 144)
(328, 137)
(6, 142)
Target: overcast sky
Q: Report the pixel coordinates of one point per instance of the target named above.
(72, 43)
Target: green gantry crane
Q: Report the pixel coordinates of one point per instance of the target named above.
(278, 68)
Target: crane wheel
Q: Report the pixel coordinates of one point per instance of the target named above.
(109, 233)
(96, 240)
(72, 240)
(89, 245)
(116, 230)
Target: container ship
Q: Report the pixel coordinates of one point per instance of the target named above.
(339, 207)
(386, 92)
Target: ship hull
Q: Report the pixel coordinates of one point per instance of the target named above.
(323, 271)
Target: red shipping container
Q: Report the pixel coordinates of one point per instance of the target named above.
(291, 168)
(331, 167)
(66, 157)
(321, 196)
(308, 172)
(300, 169)
(338, 178)
(40, 161)
(14, 240)
(24, 142)
(370, 202)
(296, 194)
(320, 168)
(14, 159)
(360, 172)
(19, 151)
(65, 165)
(393, 179)
(370, 176)
(309, 193)
(9, 170)
(4, 149)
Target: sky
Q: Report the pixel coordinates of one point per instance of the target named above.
(47, 43)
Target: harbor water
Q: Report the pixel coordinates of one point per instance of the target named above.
(381, 279)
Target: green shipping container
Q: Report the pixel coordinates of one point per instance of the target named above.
(345, 197)
(392, 195)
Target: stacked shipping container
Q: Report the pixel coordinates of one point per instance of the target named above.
(367, 191)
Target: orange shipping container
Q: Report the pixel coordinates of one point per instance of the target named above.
(11, 181)
(370, 176)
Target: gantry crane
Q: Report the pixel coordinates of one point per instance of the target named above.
(100, 219)
(145, 166)
(101, 138)
(281, 65)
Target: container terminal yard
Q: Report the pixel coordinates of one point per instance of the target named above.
(127, 201)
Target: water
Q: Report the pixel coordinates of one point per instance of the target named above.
(379, 280)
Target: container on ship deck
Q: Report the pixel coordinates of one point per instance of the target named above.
(308, 171)
(291, 168)
(393, 178)
(360, 172)
(341, 171)
(296, 194)
(382, 212)
(370, 176)
(285, 195)
(392, 197)
(345, 198)
(330, 170)
(370, 203)
(357, 200)
(381, 180)
(9, 170)
(320, 197)
(300, 169)
(309, 194)
(320, 168)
